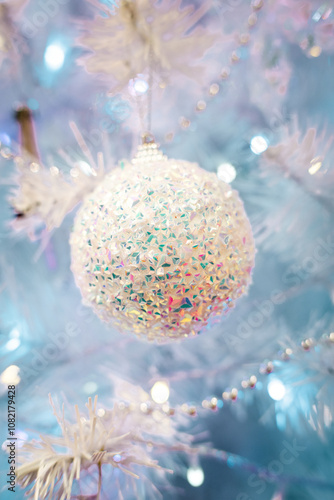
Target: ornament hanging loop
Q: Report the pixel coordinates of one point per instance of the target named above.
(150, 84)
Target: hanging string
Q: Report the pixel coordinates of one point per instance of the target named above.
(136, 101)
(150, 85)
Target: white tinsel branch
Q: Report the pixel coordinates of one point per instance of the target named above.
(11, 43)
(44, 196)
(112, 437)
(305, 159)
(142, 34)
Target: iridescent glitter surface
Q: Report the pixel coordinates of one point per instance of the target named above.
(161, 246)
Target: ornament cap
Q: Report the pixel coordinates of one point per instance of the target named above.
(148, 138)
(148, 150)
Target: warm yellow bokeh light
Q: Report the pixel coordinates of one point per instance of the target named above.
(315, 51)
(10, 376)
(314, 168)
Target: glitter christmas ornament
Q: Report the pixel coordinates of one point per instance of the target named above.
(161, 247)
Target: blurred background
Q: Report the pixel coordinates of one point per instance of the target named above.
(260, 111)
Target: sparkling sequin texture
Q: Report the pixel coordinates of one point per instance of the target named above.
(161, 246)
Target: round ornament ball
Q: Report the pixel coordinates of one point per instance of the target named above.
(161, 247)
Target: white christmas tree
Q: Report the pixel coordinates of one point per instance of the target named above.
(242, 407)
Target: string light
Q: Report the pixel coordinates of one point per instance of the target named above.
(276, 389)
(258, 144)
(315, 51)
(316, 164)
(160, 392)
(13, 344)
(20, 436)
(54, 57)
(226, 172)
(85, 168)
(10, 376)
(195, 476)
(138, 86)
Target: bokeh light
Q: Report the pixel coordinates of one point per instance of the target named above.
(54, 56)
(316, 164)
(315, 51)
(160, 392)
(258, 144)
(90, 387)
(21, 437)
(195, 476)
(276, 389)
(13, 344)
(10, 376)
(5, 139)
(138, 86)
(85, 168)
(226, 172)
